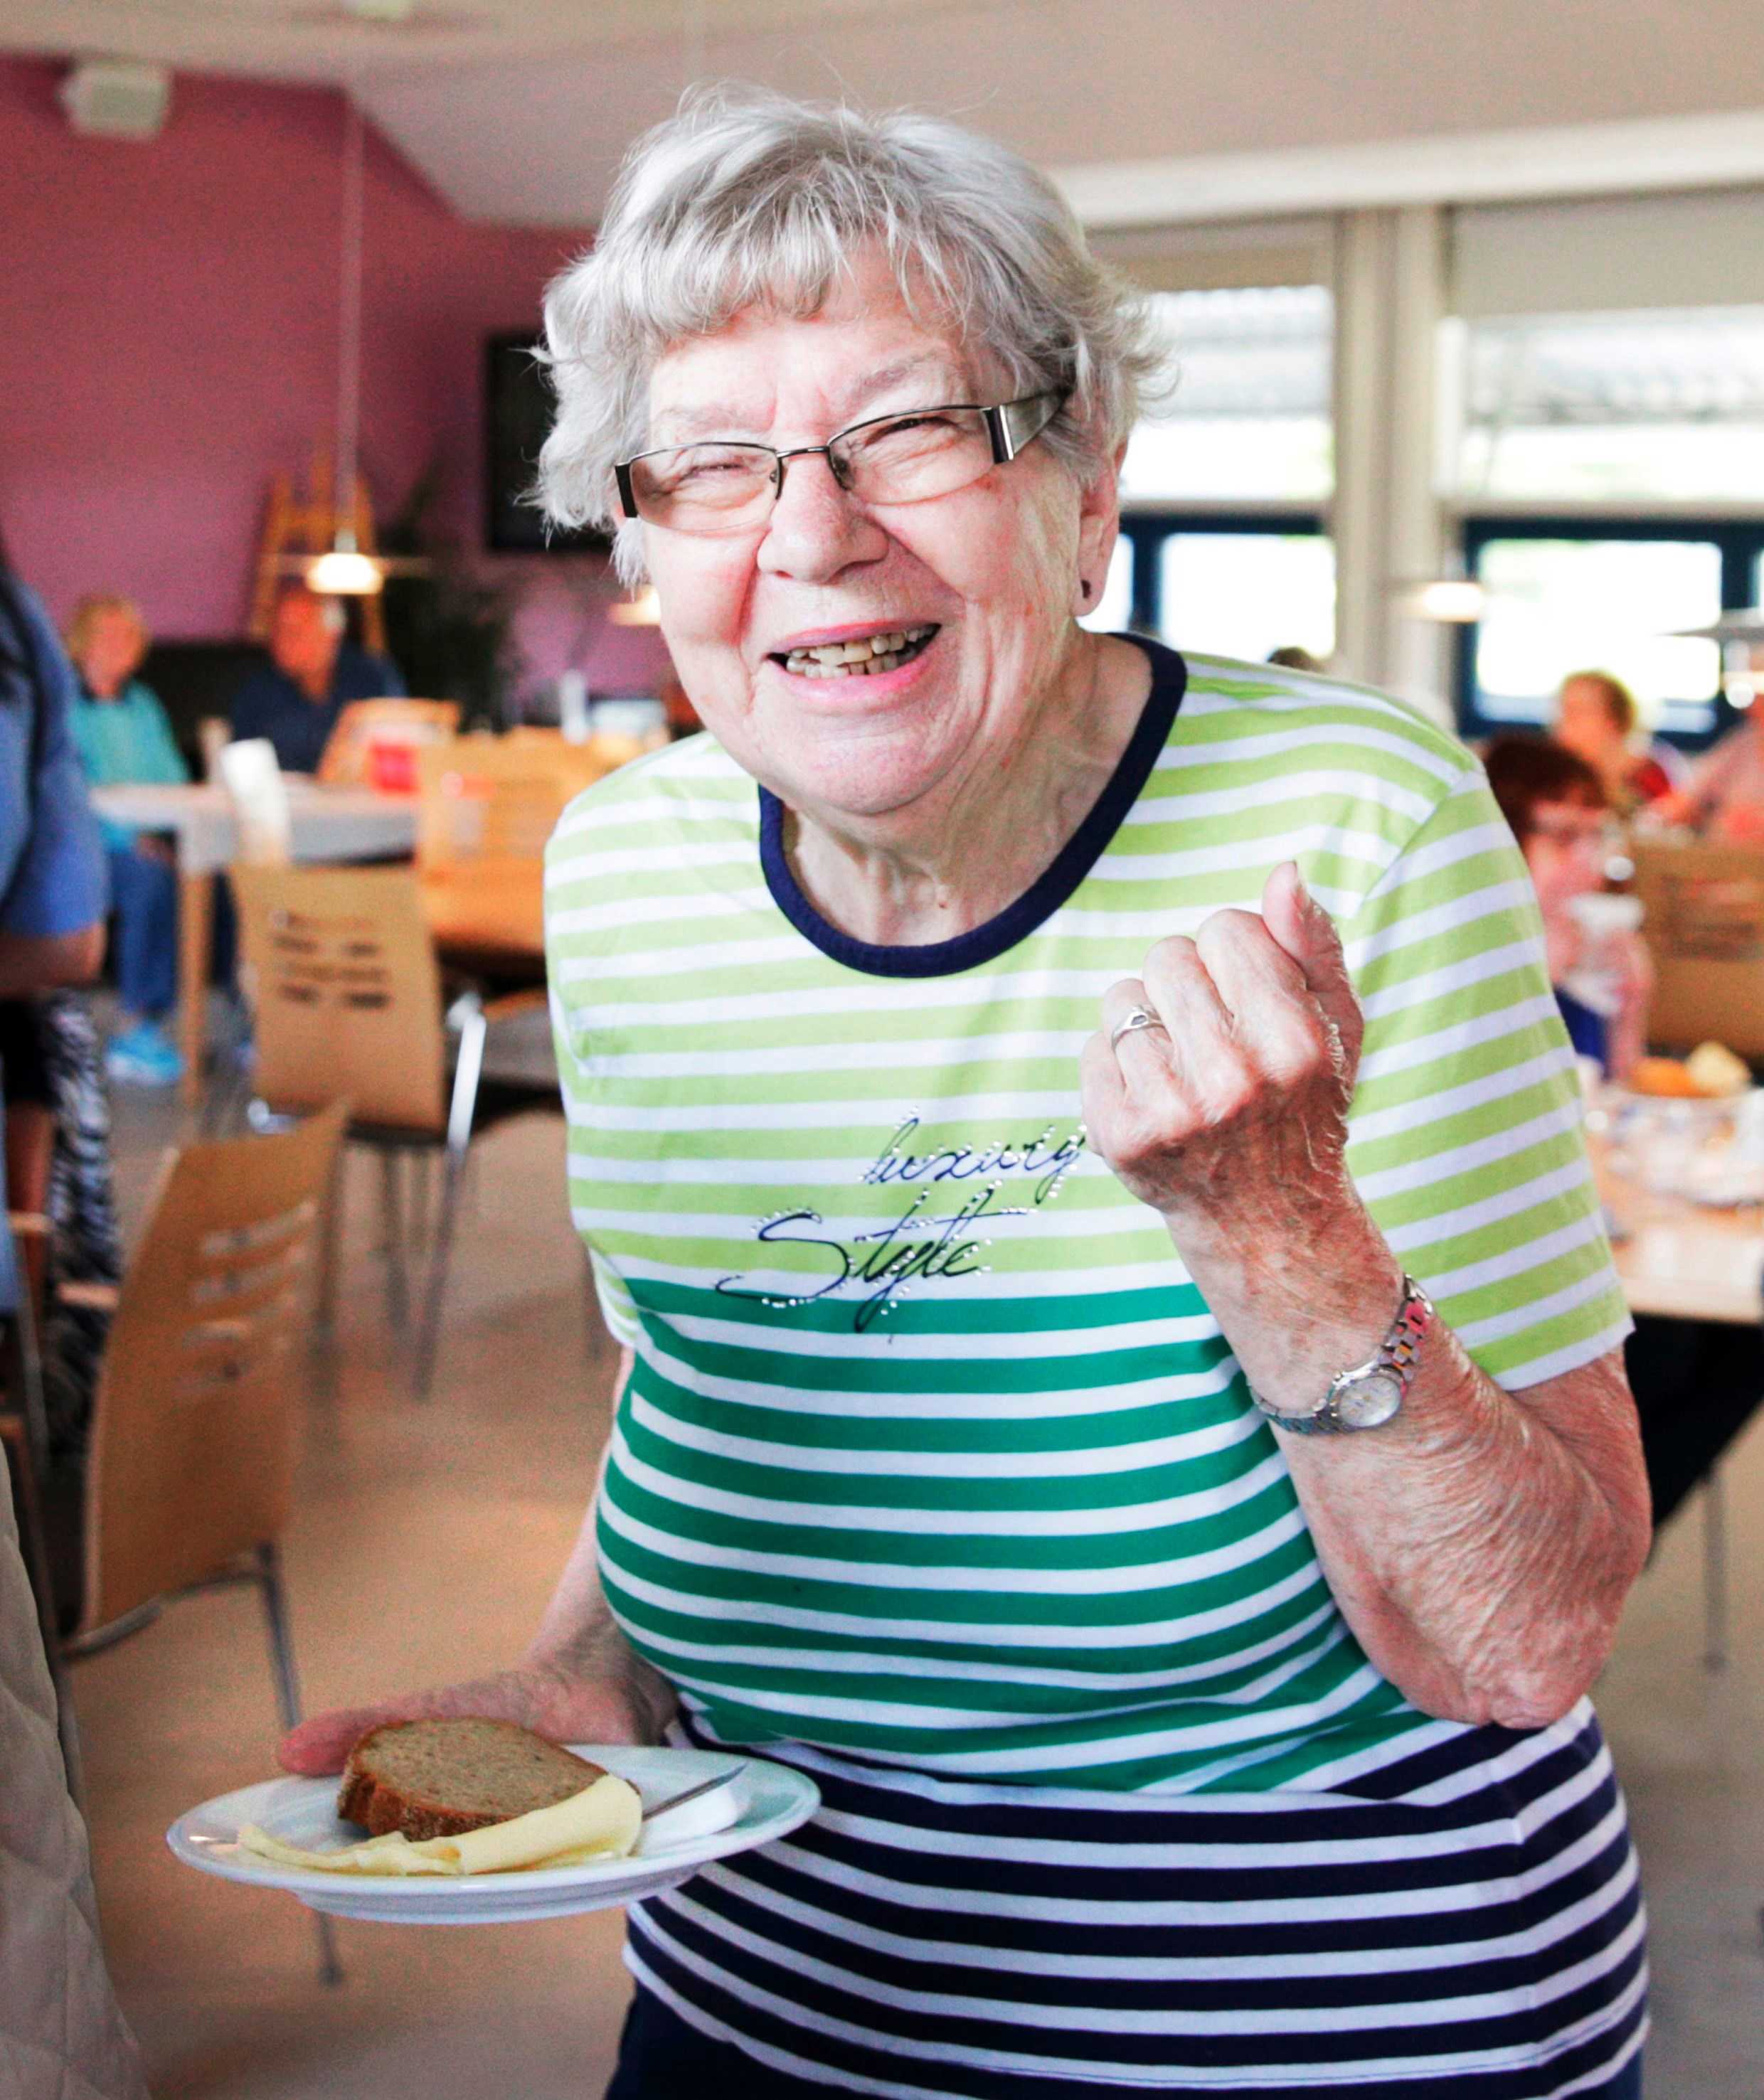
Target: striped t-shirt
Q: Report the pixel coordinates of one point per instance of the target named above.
(935, 1472)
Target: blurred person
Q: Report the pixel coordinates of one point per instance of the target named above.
(1292, 657)
(1555, 806)
(312, 675)
(124, 739)
(980, 1444)
(1723, 792)
(1598, 719)
(61, 2033)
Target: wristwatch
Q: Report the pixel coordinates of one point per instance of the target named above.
(1371, 1393)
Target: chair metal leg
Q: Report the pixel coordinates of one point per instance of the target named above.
(421, 1191)
(281, 1652)
(330, 1234)
(397, 1284)
(429, 1333)
(466, 1017)
(1715, 1570)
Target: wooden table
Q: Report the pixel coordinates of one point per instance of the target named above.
(488, 916)
(327, 823)
(1681, 1260)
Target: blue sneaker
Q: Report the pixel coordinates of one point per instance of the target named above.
(143, 1056)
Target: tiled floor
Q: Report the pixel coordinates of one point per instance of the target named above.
(425, 1542)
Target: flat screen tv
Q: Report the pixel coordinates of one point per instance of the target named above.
(518, 408)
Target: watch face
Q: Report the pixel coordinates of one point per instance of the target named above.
(1369, 1400)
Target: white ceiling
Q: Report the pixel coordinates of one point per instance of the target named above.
(518, 110)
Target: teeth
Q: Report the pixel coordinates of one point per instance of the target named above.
(868, 654)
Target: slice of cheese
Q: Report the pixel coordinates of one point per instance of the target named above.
(602, 1822)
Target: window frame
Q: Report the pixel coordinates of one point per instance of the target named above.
(1739, 540)
(1145, 527)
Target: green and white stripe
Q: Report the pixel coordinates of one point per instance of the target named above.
(1017, 1519)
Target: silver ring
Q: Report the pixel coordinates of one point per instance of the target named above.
(1140, 1018)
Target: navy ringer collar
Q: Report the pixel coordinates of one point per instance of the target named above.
(1038, 903)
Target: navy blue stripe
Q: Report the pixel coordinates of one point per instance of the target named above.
(1154, 1819)
(848, 1929)
(660, 2053)
(755, 1875)
(1044, 897)
(839, 2059)
(1230, 1989)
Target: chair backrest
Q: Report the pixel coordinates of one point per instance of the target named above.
(348, 759)
(251, 773)
(484, 800)
(194, 1432)
(345, 993)
(1704, 925)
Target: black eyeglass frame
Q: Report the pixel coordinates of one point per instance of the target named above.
(1006, 430)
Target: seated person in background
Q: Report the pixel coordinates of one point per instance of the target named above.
(1597, 719)
(1723, 792)
(312, 675)
(124, 738)
(1555, 805)
(1290, 657)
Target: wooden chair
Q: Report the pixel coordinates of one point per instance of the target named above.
(346, 760)
(189, 1483)
(486, 807)
(488, 800)
(347, 994)
(1704, 925)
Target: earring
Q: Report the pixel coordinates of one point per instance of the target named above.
(1084, 587)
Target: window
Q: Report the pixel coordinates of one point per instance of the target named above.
(1570, 594)
(1222, 547)
(1249, 421)
(1247, 593)
(1650, 407)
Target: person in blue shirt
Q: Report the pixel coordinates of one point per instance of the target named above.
(125, 738)
(312, 675)
(61, 2019)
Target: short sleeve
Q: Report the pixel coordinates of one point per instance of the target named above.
(1465, 1136)
(58, 883)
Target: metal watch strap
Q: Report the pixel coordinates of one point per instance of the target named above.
(1393, 1360)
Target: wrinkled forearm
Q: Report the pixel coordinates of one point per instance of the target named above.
(1481, 1545)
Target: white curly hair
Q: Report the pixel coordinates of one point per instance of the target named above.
(746, 198)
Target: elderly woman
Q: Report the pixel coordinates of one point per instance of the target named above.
(1123, 1379)
(124, 737)
(1599, 720)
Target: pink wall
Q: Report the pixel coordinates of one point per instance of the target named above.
(171, 340)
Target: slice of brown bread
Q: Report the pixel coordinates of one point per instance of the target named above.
(440, 1779)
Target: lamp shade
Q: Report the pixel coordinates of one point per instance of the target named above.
(344, 572)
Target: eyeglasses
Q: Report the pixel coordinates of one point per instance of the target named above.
(1588, 827)
(716, 488)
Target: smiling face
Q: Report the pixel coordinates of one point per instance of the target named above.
(1585, 722)
(967, 599)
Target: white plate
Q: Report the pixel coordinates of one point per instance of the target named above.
(761, 1802)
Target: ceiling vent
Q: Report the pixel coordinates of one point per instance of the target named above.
(115, 97)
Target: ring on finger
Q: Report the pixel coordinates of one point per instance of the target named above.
(1140, 1018)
